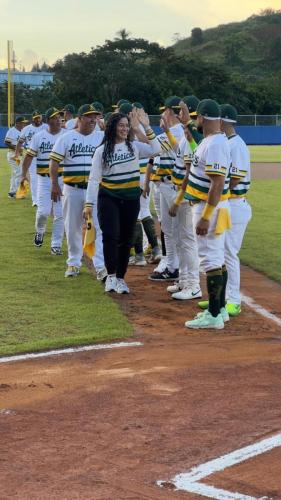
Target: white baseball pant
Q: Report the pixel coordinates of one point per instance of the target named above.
(44, 208)
(15, 172)
(156, 199)
(211, 246)
(98, 259)
(241, 214)
(167, 196)
(33, 181)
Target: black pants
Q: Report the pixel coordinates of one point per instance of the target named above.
(117, 219)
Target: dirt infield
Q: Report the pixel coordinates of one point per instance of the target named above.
(109, 424)
(266, 170)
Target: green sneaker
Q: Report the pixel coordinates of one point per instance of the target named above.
(203, 304)
(206, 320)
(233, 309)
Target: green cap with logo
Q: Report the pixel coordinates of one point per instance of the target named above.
(98, 106)
(36, 114)
(70, 108)
(126, 108)
(52, 112)
(228, 113)
(209, 109)
(87, 109)
(192, 102)
(21, 119)
(172, 102)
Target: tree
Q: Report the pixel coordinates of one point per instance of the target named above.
(196, 36)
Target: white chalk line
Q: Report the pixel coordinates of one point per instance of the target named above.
(69, 350)
(260, 310)
(189, 481)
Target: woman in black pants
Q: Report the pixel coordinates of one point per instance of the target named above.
(114, 184)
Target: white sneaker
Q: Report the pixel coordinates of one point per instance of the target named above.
(176, 287)
(122, 286)
(187, 294)
(161, 266)
(101, 274)
(71, 272)
(132, 260)
(111, 284)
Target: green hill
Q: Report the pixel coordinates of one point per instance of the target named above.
(251, 47)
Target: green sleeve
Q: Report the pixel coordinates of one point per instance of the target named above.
(194, 132)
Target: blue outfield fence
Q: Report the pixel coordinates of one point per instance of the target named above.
(252, 135)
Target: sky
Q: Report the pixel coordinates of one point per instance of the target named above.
(46, 30)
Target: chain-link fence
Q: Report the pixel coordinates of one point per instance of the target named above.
(250, 120)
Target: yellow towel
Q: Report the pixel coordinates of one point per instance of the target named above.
(89, 238)
(223, 221)
(22, 191)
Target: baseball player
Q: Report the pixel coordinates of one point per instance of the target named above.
(70, 122)
(164, 168)
(40, 148)
(192, 102)
(11, 140)
(115, 185)
(207, 191)
(240, 210)
(75, 149)
(24, 141)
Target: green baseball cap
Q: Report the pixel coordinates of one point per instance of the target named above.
(98, 106)
(107, 116)
(172, 102)
(126, 108)
(87, 109)
(119, 103)
(209, 109)
(21, 119)
(36, 114)
(192, 102)
(52, 112)
(138, 105)
(228, 113)
(70, 108)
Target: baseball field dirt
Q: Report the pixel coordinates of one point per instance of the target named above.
(110, 424)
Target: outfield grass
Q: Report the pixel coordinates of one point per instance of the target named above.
(262, 243)
(40, 309)
(266, 154)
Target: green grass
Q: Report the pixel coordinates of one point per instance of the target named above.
(261, 245)
(40, 309)
(266, 154)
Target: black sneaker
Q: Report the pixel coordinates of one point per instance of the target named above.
(11, 195)
(38, 239)
(165, 276)
(56, 251)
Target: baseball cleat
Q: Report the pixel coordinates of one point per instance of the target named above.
(161, 266)
(225, 315)
(38, 239)
(11, 195)
(203, 304)
(111, 284)
(56, 251)
(233, 309)
(187, 294)
(122, 286)
(140, 260)
(71, 272)
(205, 320)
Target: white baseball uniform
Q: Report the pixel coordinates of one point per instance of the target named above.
(241, 213)
(25, 136)
(76, 151)
(40, 147)
(70, 124)
(12, 138)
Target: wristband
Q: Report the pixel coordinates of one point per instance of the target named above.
(179, 198)
(149, 133)
(193, 144)
(208, 211)
(88, 205)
